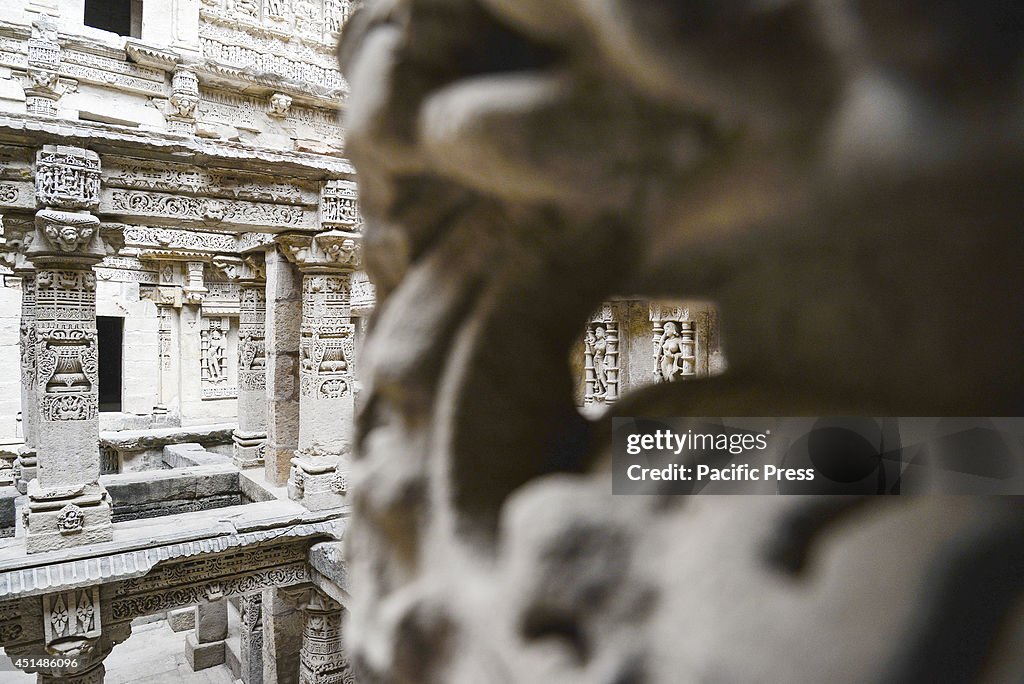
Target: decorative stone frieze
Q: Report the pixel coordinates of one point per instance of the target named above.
(207, 211)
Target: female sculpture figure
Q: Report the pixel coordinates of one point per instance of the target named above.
(599, 351)
(674, 354)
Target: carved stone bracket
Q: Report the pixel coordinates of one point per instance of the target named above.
(332, 250)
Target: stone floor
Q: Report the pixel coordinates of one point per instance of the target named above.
(153, 655)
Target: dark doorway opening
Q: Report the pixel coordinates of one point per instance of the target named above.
(123, 17)
(111, 344)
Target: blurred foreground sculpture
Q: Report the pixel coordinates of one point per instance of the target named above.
(843, 178)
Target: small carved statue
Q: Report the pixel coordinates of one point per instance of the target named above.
(215, 356)
(598, 344)
(674, 355)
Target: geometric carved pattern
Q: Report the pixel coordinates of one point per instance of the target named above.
(71, 615)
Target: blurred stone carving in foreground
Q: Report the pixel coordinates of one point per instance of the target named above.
(842, 178)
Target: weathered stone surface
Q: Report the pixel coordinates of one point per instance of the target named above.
(182, 619)
(168, 492)
(158, 438)
(202, 655)
(191, 454)
(8, 512)
(845, 199)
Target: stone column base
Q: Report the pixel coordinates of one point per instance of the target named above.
(249, 449)
(63, 517)
(25, 469)
(201, 656)
(317, 482)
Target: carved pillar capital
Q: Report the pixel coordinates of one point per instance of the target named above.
(279, 105)
(195, 289)
(332, 250)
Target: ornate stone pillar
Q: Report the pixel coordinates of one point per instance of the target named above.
(67, 505)
(167, 298)
(25, 463)
(181, 105)
(319, 471)
(251, 646)
(251, 435)
(43, 88)
(322, 657)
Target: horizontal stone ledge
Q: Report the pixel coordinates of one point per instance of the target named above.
(155, 438)
(54, 571)
(22, 129)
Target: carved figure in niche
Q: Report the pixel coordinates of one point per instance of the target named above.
(675, 354)
(598, 343)
(216, 356)
(276, 8)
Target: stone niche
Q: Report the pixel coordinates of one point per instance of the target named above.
(624, 344)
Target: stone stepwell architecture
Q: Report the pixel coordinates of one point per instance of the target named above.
(184, 303)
